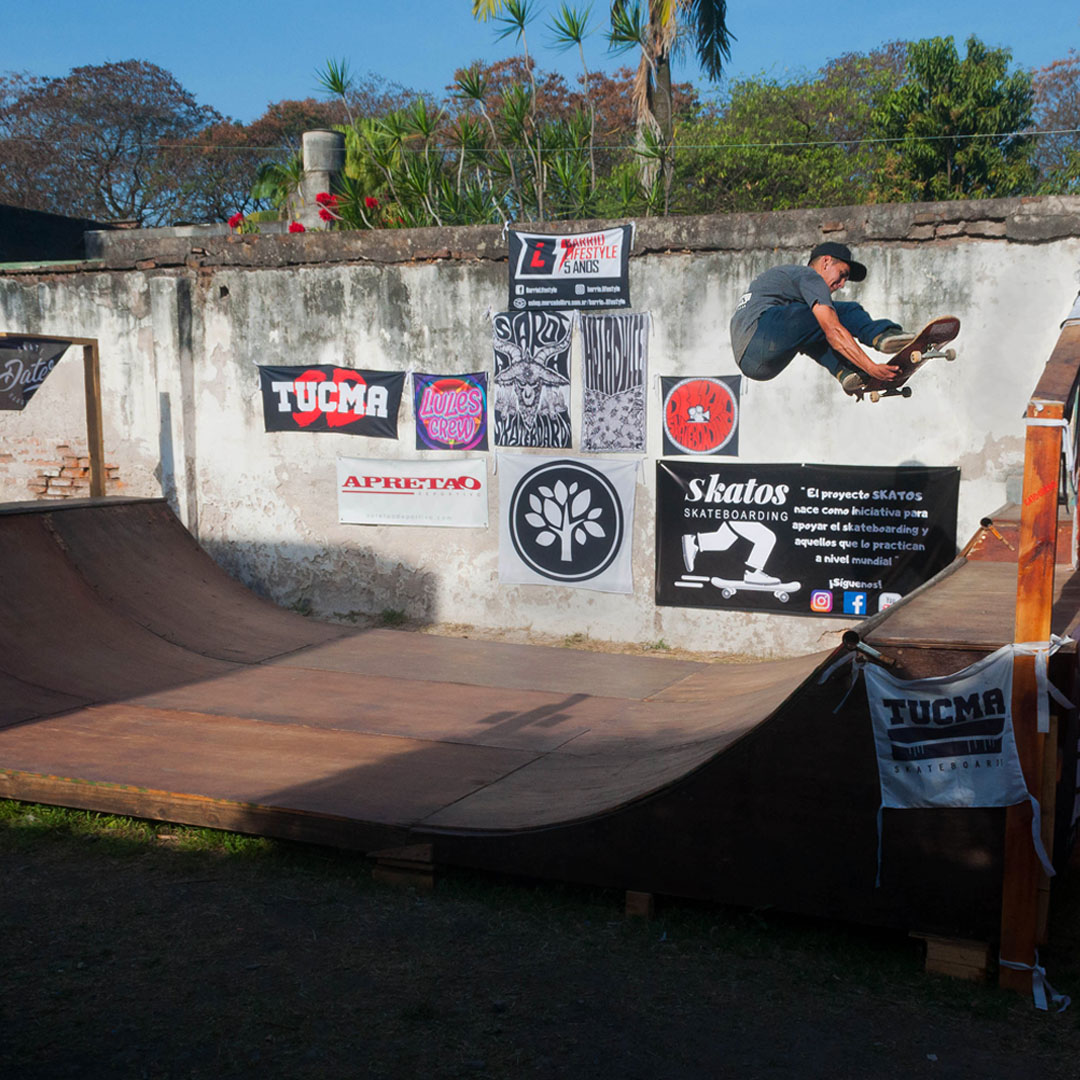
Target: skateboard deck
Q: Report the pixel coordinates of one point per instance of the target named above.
(782, 590)
(926, 346)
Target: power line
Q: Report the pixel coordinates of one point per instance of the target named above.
(453, 149)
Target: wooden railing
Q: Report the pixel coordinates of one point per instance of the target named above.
(1024, 886)
(92, 386)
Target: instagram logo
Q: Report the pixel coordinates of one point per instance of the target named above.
(821, 600)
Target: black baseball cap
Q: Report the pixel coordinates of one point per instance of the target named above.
(842, 252)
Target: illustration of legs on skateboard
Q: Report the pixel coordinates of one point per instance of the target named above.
(762, 540)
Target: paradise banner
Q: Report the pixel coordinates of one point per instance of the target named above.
(566, 522)
(381, 492)
(327, 398)
(800, 539)
(701, 415)
(451, 412)
(24, 366)
(532, 378)
(616, 354)
(584, 270)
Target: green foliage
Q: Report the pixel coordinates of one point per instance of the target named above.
(957, 125)
(779, 146)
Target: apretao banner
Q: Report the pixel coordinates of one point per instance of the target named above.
(24, 366)
(327, 398)
(585, 270)
(376, 491)
(800, 539)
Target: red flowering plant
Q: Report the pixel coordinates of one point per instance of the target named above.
(295, 226)
(240, 224)
(328, 206)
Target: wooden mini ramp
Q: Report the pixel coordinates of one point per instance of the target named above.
(136, 677)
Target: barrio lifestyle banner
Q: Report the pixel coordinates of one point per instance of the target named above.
(586, 270)
(378, 491)
(24, 366)
(566, 522)
(451, 411)
(800, 539)
(327, 398)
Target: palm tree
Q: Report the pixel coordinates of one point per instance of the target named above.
(660, 29)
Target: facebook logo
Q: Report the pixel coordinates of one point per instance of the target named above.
(854, 603)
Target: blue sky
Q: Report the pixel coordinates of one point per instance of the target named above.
(240, 56)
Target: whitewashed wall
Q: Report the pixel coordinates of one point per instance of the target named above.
(181, 338)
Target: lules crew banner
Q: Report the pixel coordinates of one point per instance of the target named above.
(800, 539)
(585, 270)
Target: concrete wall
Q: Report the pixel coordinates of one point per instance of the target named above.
(184, 319)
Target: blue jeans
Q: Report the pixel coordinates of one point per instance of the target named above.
(788, 329)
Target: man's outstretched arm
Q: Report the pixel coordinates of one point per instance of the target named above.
(842, 343)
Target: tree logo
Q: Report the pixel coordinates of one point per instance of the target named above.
(566, 521)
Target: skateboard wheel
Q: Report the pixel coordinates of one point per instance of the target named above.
(783, 597)
(915, 357)
(905, 391)
(727, 594)
(875, 396)
(950, 354)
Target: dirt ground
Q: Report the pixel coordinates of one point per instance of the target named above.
(149, 954)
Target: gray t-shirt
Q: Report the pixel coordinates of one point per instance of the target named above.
(779, 285)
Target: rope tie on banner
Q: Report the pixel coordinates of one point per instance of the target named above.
(857, 663)
(1044, 688)
(1041, 990)
(1070, 449)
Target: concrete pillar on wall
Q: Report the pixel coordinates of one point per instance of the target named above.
(324, 162)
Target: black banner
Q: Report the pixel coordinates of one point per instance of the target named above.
(800, 539)
(24, 366)
(586, 270)
(327, 398)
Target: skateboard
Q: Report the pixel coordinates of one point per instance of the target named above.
(926, 346)
(782, 590)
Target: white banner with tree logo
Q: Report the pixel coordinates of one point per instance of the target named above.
(566, 522)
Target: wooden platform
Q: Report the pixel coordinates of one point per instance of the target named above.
(136, 677)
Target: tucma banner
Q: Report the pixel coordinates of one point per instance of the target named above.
(801, 539)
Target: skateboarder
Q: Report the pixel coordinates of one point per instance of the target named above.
(789, 310)
(761, 537)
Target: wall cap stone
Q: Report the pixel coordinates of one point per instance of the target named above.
(1020, 220)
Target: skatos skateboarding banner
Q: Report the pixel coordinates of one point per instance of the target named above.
(532, 378)
(701, 415)
(24, 366)
(566, 522)
(451, 412)
(800, 539)
(382, 492)
(586, 270)
(326, 398)
(616, 354)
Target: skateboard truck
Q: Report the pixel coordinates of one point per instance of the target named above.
(854, 643)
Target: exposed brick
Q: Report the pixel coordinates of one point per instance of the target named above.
(37, 487)
(921, 232)
(51, 470)
(5, 458)
(59, 482)
(953, 228)
(69, 461)
(84, 463)
(72, 473)
(986, 228)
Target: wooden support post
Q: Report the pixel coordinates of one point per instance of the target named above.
(955, 957)
(94, 436)
(1022, 873)
(640, 905)
(412, 866)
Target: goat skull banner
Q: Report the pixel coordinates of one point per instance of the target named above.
(532, 378)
